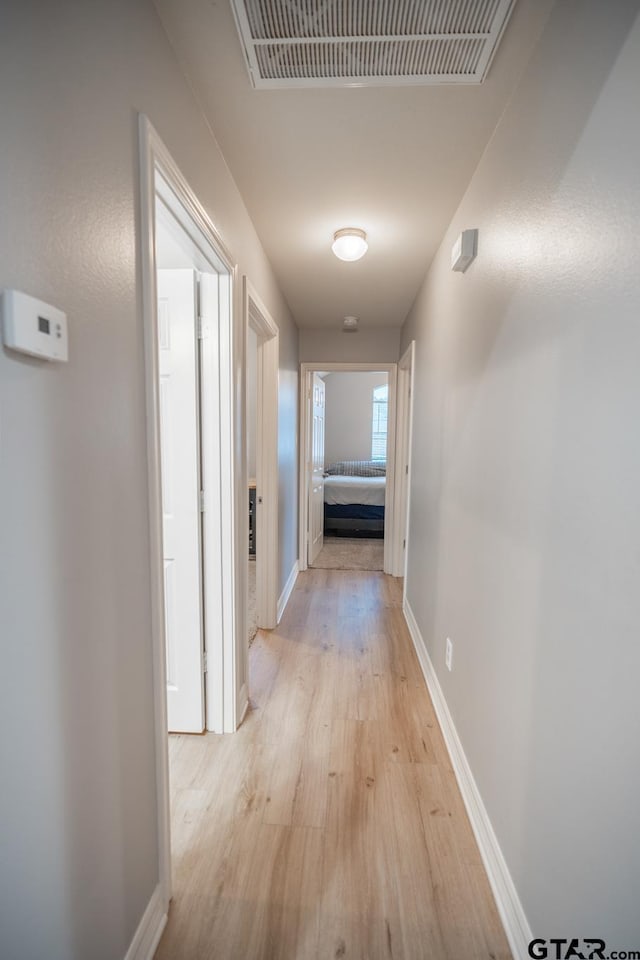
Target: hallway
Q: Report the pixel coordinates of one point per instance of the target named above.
(330, 825)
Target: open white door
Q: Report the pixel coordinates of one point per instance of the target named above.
(316, 483)
(181, 527)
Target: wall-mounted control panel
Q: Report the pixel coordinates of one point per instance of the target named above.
(33, 327)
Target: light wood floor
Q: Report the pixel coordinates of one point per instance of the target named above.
(330, 825)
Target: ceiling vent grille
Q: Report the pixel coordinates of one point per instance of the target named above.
(318, 43)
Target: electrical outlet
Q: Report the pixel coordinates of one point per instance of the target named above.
(448, 654)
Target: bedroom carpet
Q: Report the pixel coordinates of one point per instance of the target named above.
(340, 553)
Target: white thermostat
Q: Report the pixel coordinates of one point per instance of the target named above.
(33, 327)
(464, 250)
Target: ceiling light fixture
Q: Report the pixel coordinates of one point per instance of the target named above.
(349, 243)
(350, 324)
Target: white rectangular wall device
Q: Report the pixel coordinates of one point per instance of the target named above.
(464, 250)
(33, 327)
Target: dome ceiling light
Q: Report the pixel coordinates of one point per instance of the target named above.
(350, 243)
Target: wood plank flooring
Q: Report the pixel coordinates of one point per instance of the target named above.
(330, 826)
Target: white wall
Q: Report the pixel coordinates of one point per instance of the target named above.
(525, 518)
(348, 414)
(77, 804)
(369, 345)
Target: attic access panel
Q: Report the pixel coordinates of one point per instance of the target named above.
(344, 43)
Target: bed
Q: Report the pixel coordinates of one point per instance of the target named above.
(354, 498)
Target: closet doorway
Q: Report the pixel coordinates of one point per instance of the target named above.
(262, 357)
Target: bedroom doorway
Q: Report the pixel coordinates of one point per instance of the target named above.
(347, 472)
(349, 481)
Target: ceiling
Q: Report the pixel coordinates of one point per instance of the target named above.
(392, 161)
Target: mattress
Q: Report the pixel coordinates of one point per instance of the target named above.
(369, 491)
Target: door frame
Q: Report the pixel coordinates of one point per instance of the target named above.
(156, 162)
(307, 370)
(404, 434)
(315, 379)
(258, 318)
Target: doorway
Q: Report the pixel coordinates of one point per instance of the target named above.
(262, 358)
(188, 280)
(251, 420)
(364, 455)
(193, 288)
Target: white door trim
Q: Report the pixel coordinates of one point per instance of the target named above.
(156, 161)
(262, 323)
(306, 372)
(403, 459)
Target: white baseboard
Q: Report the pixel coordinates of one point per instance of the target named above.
(147, 936)
(288, 590)
(514, 920)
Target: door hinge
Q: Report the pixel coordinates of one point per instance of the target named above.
(202, 507)
(406, 469)
(203, 329)
(205, 662)
(404, 544)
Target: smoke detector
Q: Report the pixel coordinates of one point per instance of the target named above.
(340, 43)
(350, 325)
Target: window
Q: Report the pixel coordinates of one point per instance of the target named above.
(379, 422)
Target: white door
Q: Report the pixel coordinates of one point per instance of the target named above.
(316, 486)
(210, 446)
(179, 441)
